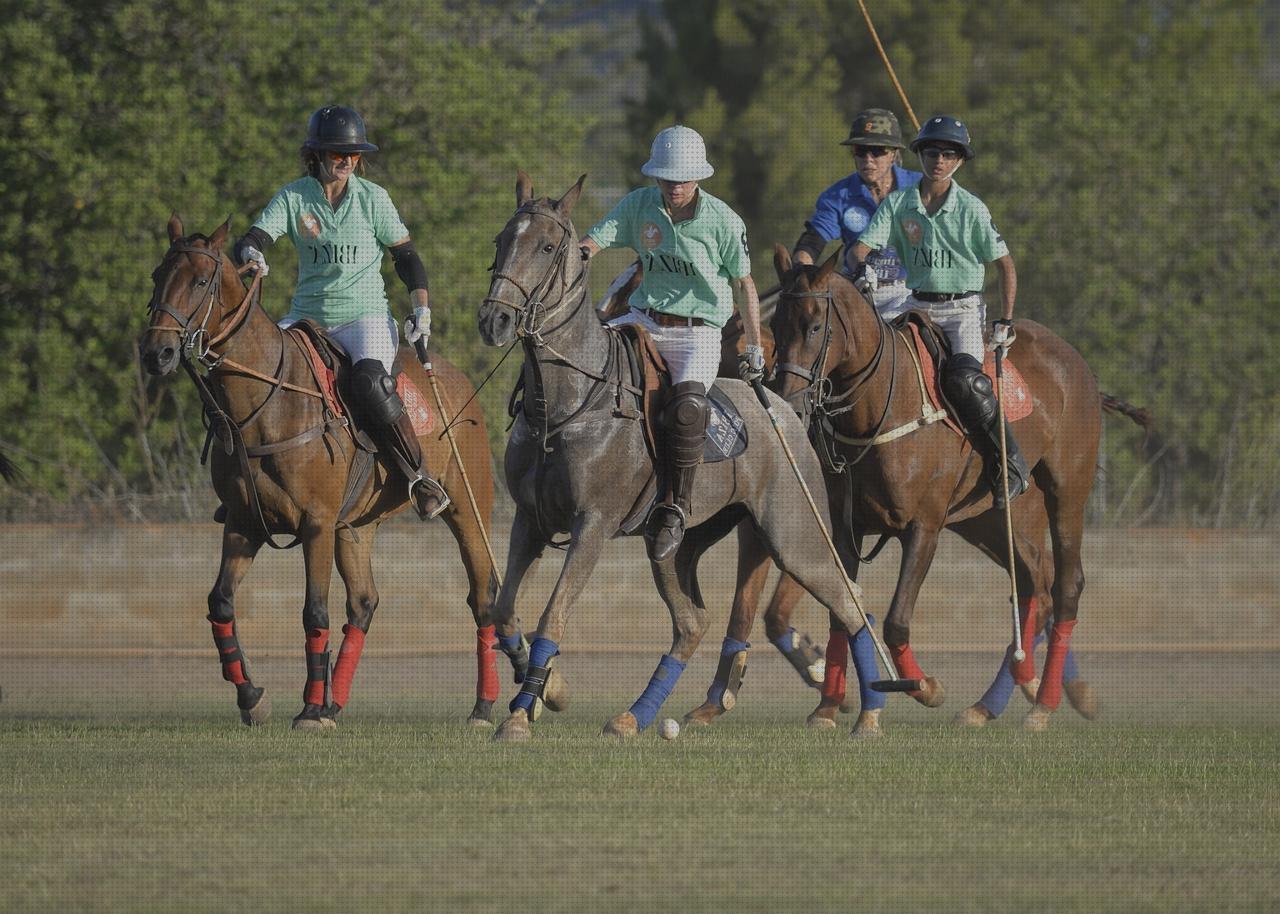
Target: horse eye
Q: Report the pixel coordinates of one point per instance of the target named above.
(548, 249)
(201, 283)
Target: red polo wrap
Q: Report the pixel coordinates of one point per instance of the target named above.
(232, 671)
(486, 664)
(835, 683)
(317, 643)
(1025, 671)
(1050, 694)
(348, 659)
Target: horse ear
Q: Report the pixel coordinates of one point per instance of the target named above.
(781, 260)
(524, 188)
(566, 203)
(175, 228)
(219, 236)
(828, 265)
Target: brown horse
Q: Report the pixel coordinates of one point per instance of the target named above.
(284, 464)
(913, 486)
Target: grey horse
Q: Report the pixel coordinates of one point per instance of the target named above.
(576, 464)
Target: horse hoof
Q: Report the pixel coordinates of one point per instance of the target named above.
(482, 714)
(1037, 719)
(822, 718)
(1030, 689)
(1083, 698)
(515, 729)
(314, 718)
(479, 723)
(703, 715)
(623, 726)
(259, 714)
(868, 725)
(933, 694)
(555, 694)
(975, 716)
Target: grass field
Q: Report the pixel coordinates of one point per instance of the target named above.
(130, 784)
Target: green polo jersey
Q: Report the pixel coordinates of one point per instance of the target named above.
(945, 252)
(687, 265)
(339, 251)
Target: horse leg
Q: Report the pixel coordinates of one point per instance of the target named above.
(588, 537)
(317, 554)
(1066, 532)
(523, 550)
(674, 579)
(238, 553)
(919, 543)
(753, 571)
(482, 586)
(356, 568)
(861, 646)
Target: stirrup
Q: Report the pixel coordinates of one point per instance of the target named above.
(1017, 486)
(434, 490)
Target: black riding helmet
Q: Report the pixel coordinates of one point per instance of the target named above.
(944, 129)
(337, 128)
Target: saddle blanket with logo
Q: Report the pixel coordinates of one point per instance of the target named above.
(415, 404)
(1014, 392)
(726, 429)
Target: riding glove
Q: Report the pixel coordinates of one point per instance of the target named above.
(751, 364)
(1002, 335)
(417, 326)
(254, 256)
(865, 279)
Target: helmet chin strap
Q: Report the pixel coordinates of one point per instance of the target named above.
(949, 175)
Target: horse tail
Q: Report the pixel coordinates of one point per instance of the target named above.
(9, 470)
(1142, 417)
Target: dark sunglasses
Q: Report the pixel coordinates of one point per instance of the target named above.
(339, 156)
(941, 152)
(873, 152)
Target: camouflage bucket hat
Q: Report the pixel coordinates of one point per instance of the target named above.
(875, 127)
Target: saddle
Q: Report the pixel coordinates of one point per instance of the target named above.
(933, 350)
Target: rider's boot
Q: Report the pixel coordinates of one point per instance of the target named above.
(684, 422)
(973, 396)
(383, 414)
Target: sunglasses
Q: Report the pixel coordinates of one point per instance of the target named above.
(339, 156)
(941, 152)
(871, 152)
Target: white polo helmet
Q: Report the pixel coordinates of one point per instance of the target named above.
(678, 154)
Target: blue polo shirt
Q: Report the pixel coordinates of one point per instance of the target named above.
(844, 211)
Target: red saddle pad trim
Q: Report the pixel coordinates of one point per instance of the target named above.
(1017, 398)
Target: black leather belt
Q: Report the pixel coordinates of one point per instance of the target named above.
(943, 296)
(663, 319)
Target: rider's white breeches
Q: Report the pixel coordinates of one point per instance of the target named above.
(692, 353)
(962, 320)
(374, 337)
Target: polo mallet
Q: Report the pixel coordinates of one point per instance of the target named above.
(1018, 654)
(421, 348)
(884, 685)
(888, 66)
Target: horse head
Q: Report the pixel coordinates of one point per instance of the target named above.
(186, 304)
(804, 328)
(536, 267)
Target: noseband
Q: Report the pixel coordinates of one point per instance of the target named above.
(533, 313)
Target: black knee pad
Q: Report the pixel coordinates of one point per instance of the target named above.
(684, 420)
(374, 392)
(970, 391)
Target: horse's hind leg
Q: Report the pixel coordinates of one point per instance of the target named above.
(753, 571)
(356, 568)
(238, 553)
(482, 588)
(317, 554)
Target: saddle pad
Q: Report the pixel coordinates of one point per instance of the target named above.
(415, 404)
(726, 429)
(1016, 396)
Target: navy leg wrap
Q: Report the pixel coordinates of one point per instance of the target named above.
(540, 654)
(517, 652)
(997, 696)
(868, 670)
(657, 691)
(730, 647)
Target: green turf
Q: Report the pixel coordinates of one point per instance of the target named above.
(409, 810)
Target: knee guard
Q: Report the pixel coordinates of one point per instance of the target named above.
(374, 393)
(684, 419)
(971, 393)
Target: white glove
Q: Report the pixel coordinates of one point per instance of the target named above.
(751, 364)
(417, 326)
(865, 279)
(1002, 335)
(254, 256)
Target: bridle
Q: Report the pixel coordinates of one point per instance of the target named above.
(194, 342)
(533, 313)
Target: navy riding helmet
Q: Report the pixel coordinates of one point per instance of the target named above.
(944, 129)
(339, 129)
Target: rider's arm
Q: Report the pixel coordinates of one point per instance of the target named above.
(254, 238)
(860, 252)
(410, 269)
(748, 301)
(809, 248)
(1008, 284)
(588, 248)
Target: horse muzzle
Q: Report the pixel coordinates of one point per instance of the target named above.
(496, 323)
(159, 352)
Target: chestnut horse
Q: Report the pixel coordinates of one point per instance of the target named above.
(281, 464)
(833, 347)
